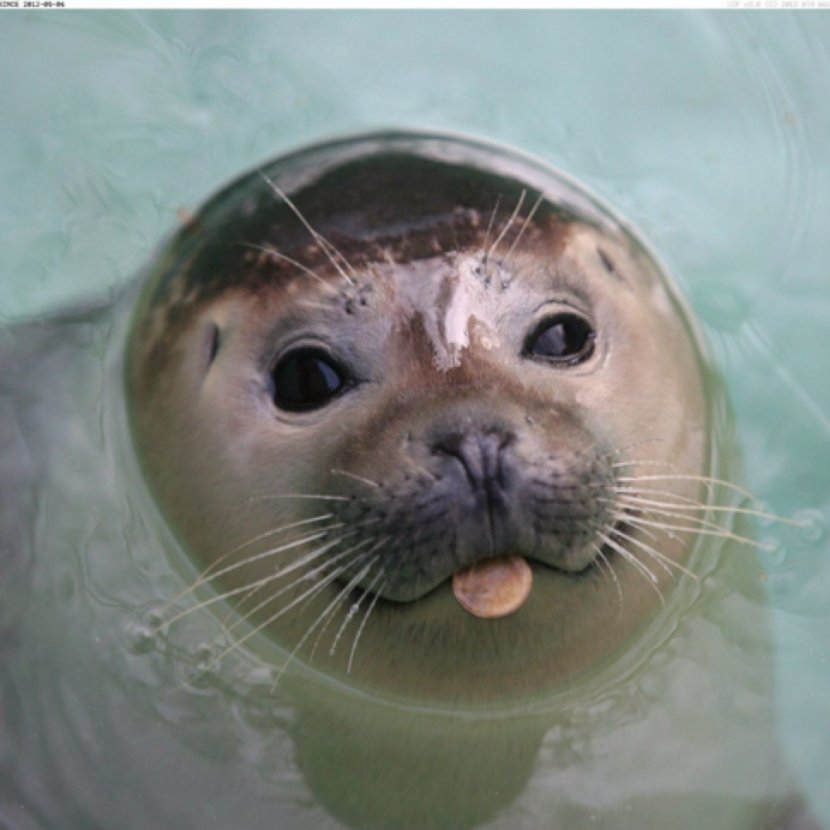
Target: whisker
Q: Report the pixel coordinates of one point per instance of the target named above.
(271, 251)
(276, 496)
(490, 228)
(355, 477)
(636, 509)
(315, 589)
(644, 571)
(355, 608)
(263, 581)
(208, 574)
(660, 512)
(248, 560)
(633, 444)
(688, 477)
(507, 227)
(605, 564)
(329, 609)
(722, 534)
(694, 505)
(526, 222)
(363, 622)
(351, 585)
(666, 561)
(328, 248)
(303, 577)
(673, 536)
(258, 587)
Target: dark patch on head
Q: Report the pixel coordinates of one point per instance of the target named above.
(384, 206)
(388, 206)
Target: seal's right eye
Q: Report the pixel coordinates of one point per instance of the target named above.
(306, 379)
(564, 339)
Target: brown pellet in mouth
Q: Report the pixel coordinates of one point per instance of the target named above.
(494, 587)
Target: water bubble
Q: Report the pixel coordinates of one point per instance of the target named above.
(776, 554)
(203, 652)
(200, 679)
(154, 618)
(140, 638)
(812, 526)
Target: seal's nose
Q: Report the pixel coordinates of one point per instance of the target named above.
(481, 454)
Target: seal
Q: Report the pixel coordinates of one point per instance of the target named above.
(430, 417)
(426, 412)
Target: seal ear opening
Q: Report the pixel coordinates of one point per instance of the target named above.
(212, 343)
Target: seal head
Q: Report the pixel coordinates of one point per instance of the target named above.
(401, 396)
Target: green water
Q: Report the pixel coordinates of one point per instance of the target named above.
(710, 132)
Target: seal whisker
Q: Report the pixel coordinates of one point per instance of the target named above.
(241, 563)
(722, 534)
(272, 251)
(331, 609)
(629, 557)
(698, 521)
(209, 574)
(307, 559)
(313, 591)
(356, 607)
(327, 614)
(489, 229)
(626, 447)
(652, 535)
(355, 477)
(644, 492)
(666, 561)
(307, 576)
(257, 587)
(297, 496)
(656, 511)
(623, 538)
(634, 495)
(605, 565)
(527, 221)
(351, 585)
(709, 480)
(507, 226)
(290, 526)
(363, 622)
(328, 247)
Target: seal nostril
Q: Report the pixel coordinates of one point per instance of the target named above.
(480, 453)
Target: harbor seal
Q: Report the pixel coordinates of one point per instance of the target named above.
(425, 412)
(449, 360)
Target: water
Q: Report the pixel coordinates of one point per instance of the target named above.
(709, 131)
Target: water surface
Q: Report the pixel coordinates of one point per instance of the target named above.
(708, 131)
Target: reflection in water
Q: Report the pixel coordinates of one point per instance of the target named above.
(384, 770)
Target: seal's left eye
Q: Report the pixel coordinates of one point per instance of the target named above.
(564, 339)
(306, 379)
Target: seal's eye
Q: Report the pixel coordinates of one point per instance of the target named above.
(565, 339)
(306, 379)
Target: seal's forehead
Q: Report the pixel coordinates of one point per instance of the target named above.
(391, 205)
(297, 223)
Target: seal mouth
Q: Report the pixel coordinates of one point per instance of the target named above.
(499, 583)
